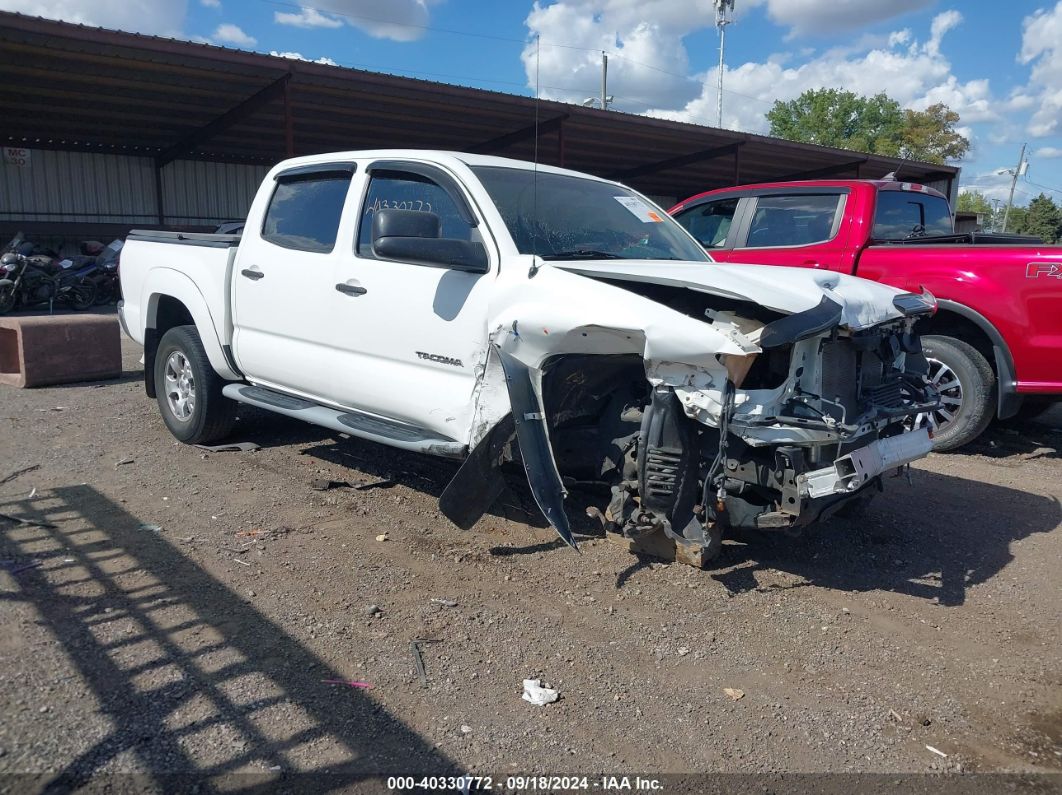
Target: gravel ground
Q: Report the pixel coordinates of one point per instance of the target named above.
(185, 609)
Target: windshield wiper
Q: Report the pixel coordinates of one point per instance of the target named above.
(582, 253)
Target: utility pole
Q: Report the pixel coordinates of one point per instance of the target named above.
(604, 80)
(723, 11)
(1020, 170)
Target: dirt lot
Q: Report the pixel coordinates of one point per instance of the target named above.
(185, 609)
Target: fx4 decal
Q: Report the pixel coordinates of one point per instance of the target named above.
(1034, 270)
(435, 357)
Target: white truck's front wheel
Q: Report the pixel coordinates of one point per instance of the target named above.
(189, 391)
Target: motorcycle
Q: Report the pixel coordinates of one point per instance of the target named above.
(31, 279)
(98, 265)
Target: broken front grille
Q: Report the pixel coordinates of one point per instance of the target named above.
(858, 380)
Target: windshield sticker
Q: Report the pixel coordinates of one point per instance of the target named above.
(639, 209)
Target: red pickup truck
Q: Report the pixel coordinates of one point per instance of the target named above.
(995, 342)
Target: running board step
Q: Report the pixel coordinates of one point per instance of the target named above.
(355, 423)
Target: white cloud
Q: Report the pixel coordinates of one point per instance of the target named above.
(813, 17)
(307, 18)
(160, 17)
(1048, 152)
(647, 75)
(915, 74)
(647, 37)
(227, 33)
(992, 184)
(210, 3)
(942, 23)
(398, 20)
(1041, 46)
(298, 56)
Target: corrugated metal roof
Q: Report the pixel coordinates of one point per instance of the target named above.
(90, 89)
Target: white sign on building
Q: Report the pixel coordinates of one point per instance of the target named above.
(16, 156)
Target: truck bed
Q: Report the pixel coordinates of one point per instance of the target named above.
(207, 239)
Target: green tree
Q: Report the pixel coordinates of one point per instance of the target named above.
(973, 201)
(930, 135)
(1043, 219)
(1015, 221)
(830, 117)
(877, 125)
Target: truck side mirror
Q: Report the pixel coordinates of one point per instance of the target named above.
(413, 236)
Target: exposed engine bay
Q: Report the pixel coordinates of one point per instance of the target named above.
(808, 420)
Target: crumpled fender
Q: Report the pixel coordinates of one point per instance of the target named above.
(535, 450)
(558, 313)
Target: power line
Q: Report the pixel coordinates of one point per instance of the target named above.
(1044, 187)
(492, 37)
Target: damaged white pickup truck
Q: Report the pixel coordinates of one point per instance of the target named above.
(490, 311)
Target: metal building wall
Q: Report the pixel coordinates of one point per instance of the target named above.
(87, 188)
(79, 187)
(197, 192)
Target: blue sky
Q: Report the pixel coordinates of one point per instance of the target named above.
(998, 65)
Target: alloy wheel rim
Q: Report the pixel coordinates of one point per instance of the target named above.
(946, 381)
(180, 386)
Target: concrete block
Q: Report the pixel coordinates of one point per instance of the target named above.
(39, 350)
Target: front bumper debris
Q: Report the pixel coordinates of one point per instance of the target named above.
(851, 472)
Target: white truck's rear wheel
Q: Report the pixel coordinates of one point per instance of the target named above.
(189, 391)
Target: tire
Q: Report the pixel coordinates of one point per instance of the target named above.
(82, 296)
(969, 393)
(188, 390)
(8, 299)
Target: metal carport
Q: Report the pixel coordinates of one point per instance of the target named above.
(173, 106)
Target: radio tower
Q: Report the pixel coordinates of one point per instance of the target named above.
(724, 11)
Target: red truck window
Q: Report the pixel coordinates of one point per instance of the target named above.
(710, 222)
(793, 220)
(902, 215)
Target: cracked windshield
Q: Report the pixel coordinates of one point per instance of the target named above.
(575, 218)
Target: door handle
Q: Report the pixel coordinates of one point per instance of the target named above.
(351, 289)
(810, 263)
(253, 275)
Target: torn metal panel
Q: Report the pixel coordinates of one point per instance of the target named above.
(786, 290)
(535, 451)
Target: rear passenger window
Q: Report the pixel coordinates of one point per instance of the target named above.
(793, 220)
(710, 223)
(304, 212)
(402, 190)
(902, 215)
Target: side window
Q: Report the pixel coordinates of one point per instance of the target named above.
(304, 212)
(901, 215)
(404, 191)
(793, 220)
(710, 222)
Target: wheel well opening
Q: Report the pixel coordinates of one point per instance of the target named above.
(169, 313)
(950, 324)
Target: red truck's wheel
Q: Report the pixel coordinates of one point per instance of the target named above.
(189, 391)
(967, 390)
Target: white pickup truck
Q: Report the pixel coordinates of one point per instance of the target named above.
(490, 310)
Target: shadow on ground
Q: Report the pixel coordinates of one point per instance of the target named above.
(933, 540)
(171, 653)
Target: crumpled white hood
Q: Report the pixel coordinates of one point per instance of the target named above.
(789, 290)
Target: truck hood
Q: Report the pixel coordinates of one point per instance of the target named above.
(788, 290)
